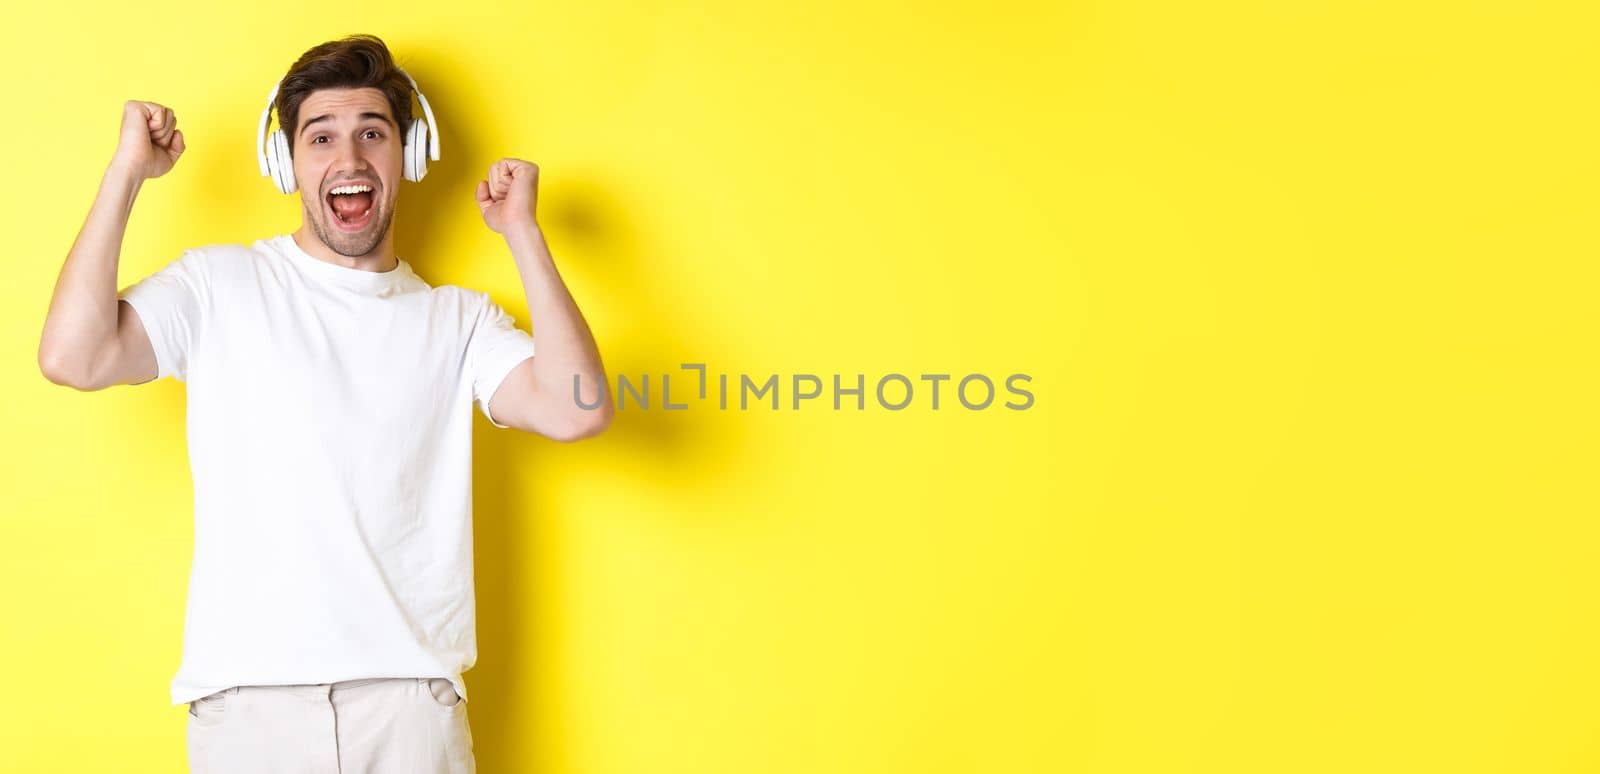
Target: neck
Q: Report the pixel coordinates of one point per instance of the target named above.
(381, 259)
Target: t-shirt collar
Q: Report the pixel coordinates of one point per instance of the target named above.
(358, 280)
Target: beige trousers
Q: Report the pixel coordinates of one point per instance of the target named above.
(392, 725)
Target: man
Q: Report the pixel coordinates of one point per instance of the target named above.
(330, 398)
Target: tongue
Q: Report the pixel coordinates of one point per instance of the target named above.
(350, 206)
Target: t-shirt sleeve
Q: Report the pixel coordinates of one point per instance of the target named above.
(498, 345)
(172, 307)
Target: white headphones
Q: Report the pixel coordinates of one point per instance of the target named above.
(422, 141)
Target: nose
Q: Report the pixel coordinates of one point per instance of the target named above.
(348, 161)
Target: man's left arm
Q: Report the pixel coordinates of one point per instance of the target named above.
(538, 395)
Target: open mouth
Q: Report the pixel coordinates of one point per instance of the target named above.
(351, 206)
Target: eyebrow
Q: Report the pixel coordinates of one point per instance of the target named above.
(329, 116)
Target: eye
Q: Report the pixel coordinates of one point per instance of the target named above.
(318, 137)
(374, 131)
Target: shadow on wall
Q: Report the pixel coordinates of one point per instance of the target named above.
(590, 234)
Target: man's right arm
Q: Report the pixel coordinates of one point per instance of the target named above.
(91, 339)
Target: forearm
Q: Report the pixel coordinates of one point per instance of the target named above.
(565, 344)
(82, 317)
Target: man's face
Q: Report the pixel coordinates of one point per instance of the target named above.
(348, 137)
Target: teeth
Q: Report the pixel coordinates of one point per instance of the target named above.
(350, 189)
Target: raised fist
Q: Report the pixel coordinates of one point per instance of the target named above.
(151, 142)
(508, 197)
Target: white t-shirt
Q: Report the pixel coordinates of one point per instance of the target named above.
(330, 444)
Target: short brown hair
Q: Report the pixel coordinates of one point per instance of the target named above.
(353, 62)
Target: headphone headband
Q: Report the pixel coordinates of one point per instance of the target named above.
(261, 133)
(433, 126)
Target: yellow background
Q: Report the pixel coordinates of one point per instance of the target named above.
(1306, 289)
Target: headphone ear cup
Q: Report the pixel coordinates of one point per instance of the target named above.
(416, 150)
(272, 160)
(280, 163)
